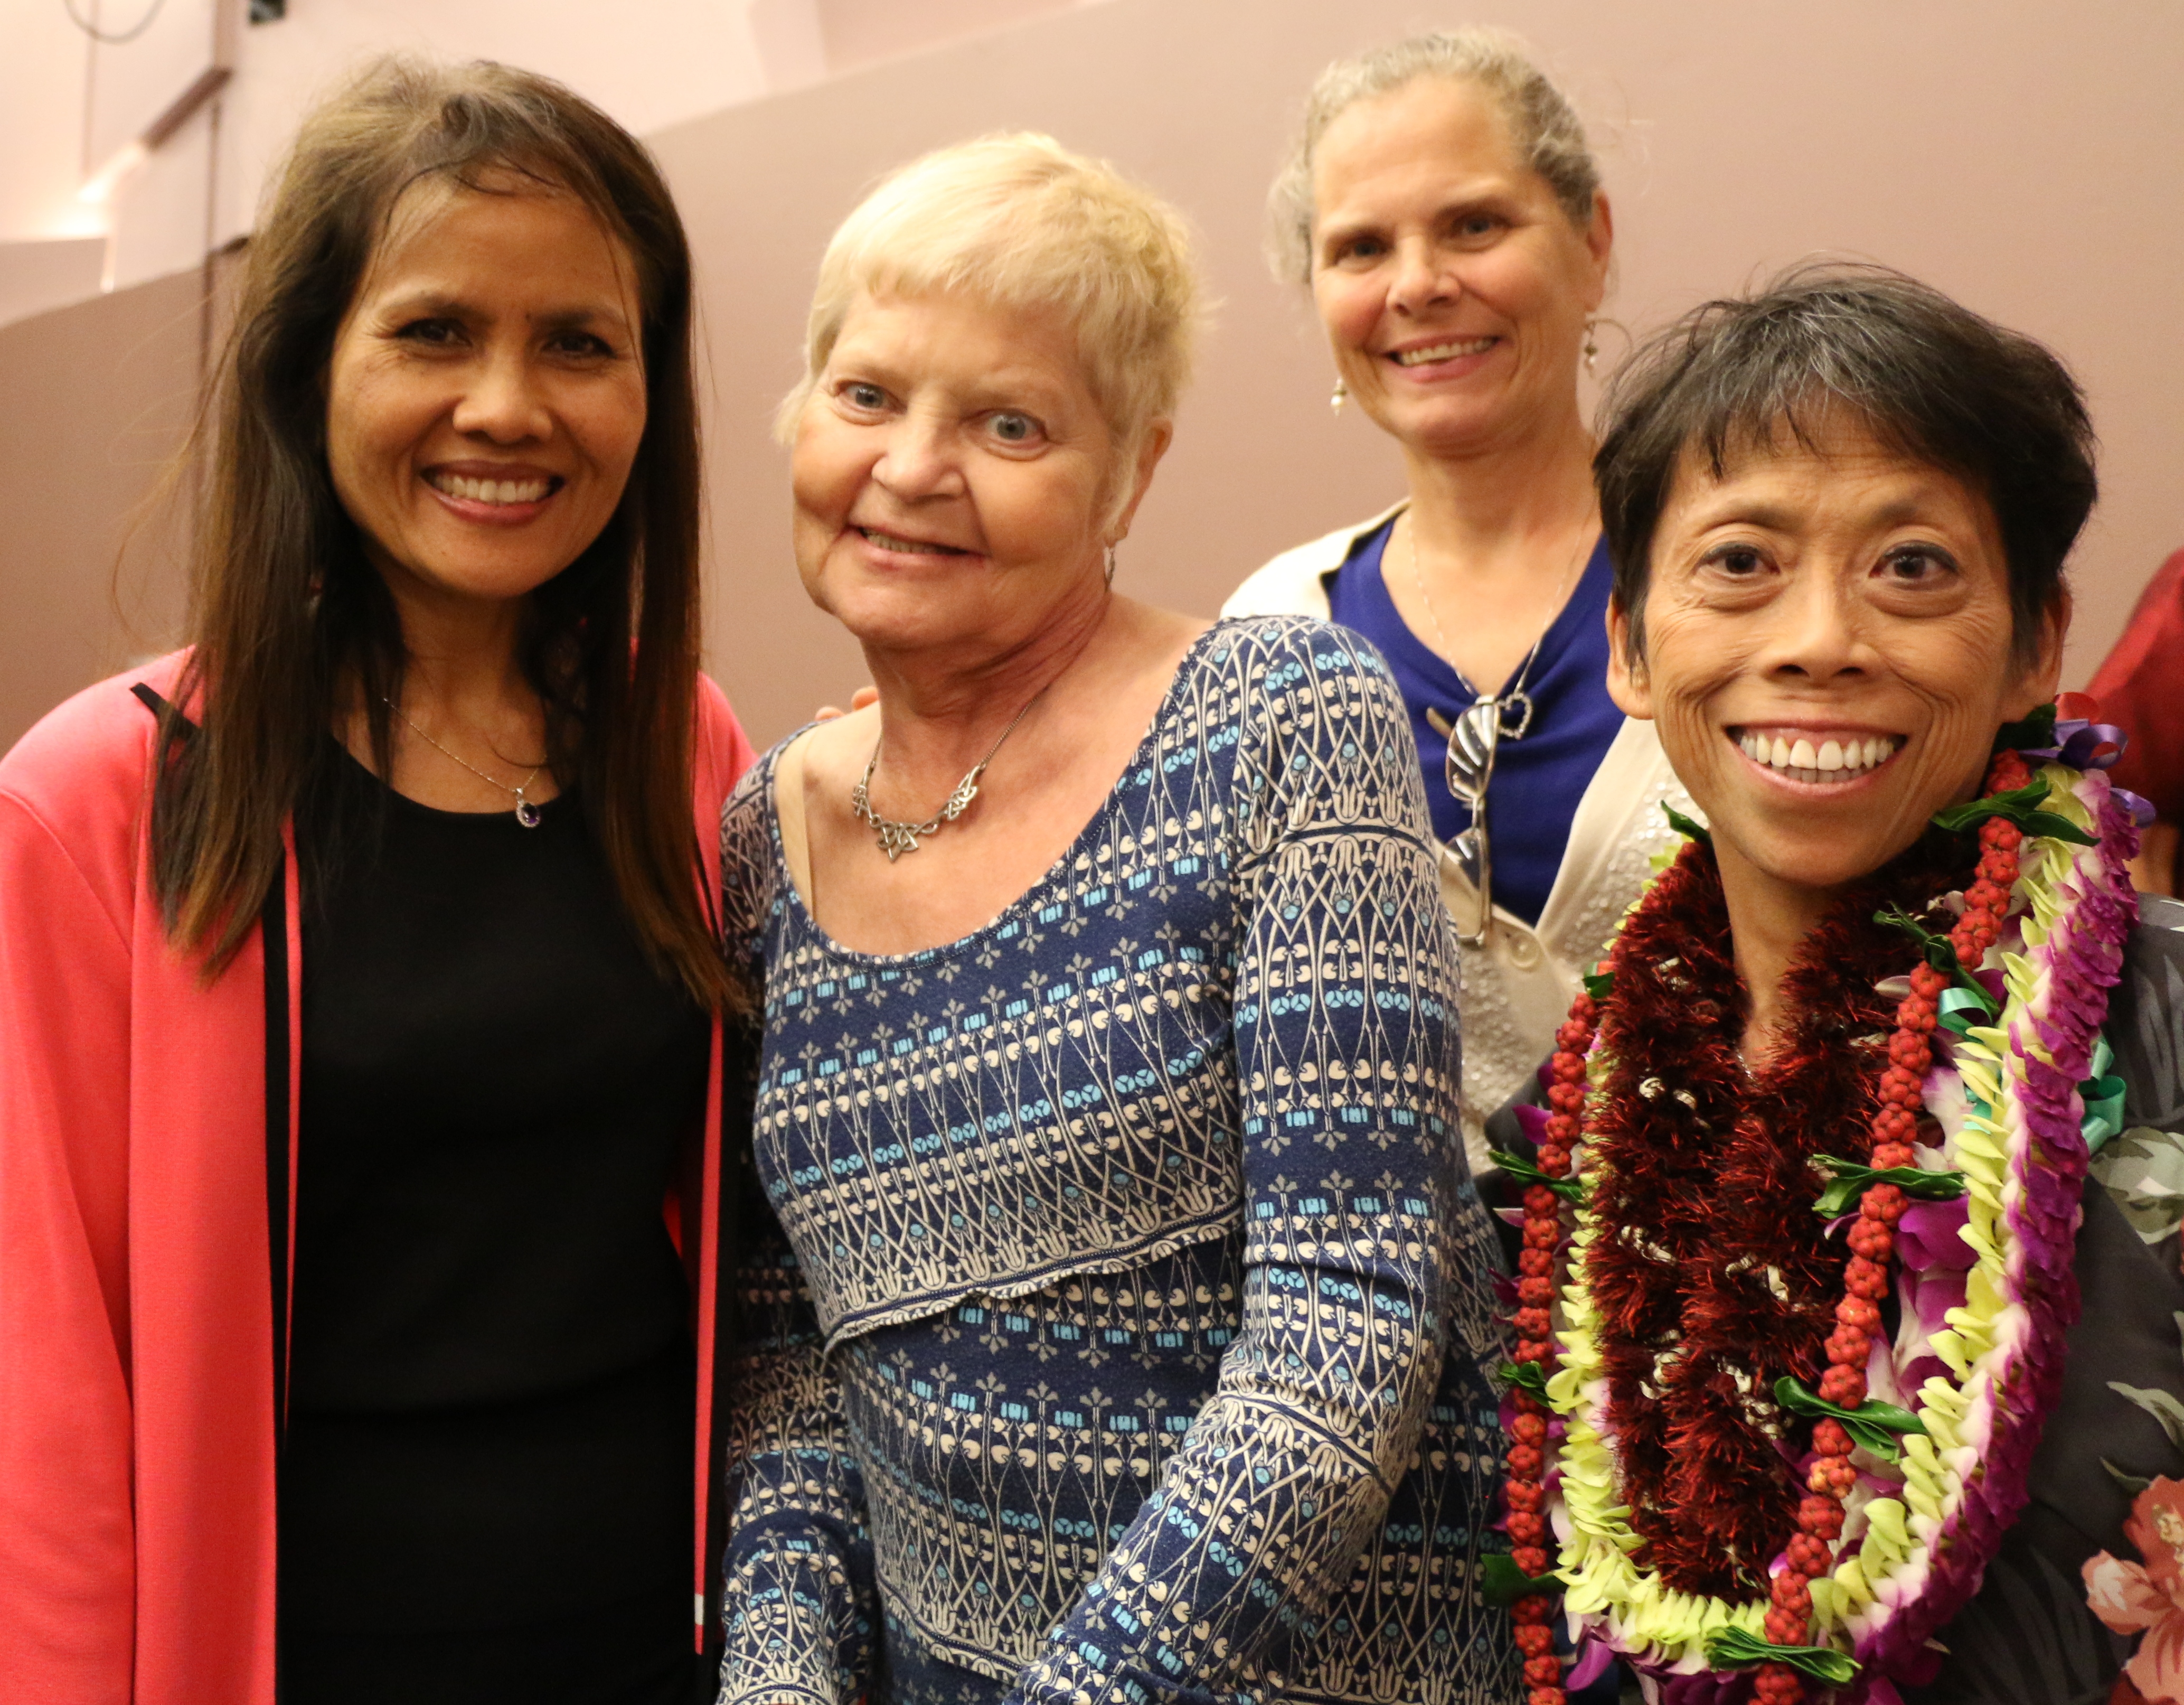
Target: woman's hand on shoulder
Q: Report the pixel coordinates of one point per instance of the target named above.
(859, 700)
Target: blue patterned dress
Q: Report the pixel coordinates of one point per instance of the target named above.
(1116, 1311)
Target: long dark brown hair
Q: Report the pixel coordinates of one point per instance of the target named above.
(289, 622)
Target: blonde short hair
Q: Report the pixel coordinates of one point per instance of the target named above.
(1545, 126)
(1020, 222)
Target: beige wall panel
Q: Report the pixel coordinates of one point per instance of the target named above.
(93, 401)
(2029, 158)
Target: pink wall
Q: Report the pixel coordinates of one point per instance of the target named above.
(2025, 158)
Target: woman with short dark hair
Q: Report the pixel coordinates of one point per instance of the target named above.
(358, 1000)
(1852, 1282)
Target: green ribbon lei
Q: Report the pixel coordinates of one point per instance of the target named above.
(1873, 1424)
(1570, 1190)
(1735, 1649)
(1853, 1180)
(1959, 1011)
(2102, 1096)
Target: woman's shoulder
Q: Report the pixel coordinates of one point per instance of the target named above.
(1294, 582)
(747, 818)
(2146, 1012)
(87, 758)
(1284, 656)
(750, 846)
(1301, 700)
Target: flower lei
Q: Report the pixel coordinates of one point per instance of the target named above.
(1966, 1181)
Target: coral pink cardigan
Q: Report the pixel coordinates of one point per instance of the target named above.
(138, 1295)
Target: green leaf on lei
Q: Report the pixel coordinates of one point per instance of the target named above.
(1503, 1583)
(2015, 806)
(2036, 731)
(1940, 955)
(1852, 1180)
(1569, 1190)
(1600, 984)
(1735, 1649)
(1873, 1424)
(1683, 826)
(1524, 1375)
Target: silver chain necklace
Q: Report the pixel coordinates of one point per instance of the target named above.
(527, 813)
(896, 838)
(1515, 698)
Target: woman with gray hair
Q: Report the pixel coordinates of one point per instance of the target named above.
(1116, 1321)
(1443, 209)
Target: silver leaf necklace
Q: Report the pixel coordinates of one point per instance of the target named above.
(896, 838)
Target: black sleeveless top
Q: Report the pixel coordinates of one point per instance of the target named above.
(492, 1397)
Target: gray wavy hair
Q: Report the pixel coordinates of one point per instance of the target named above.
(1542, 122)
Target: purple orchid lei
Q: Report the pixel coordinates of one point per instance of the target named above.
(2049, 1037)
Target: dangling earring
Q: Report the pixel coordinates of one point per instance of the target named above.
(1340, 396)
(1111, 565)
(1591, 349)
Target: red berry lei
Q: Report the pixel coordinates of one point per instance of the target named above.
(1810, 1552)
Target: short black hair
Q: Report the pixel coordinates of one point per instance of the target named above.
(1929, 378)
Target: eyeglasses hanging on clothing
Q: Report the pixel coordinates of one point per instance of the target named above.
(1473, 738)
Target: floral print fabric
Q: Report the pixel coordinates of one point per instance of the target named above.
(2082, 1605)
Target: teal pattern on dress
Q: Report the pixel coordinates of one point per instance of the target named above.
(1116, 1313)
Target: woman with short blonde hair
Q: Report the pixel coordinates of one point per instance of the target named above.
(1117, 1311)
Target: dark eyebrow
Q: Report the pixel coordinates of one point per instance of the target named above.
(427, 302)
(1767, 516)
(437, 303)
(580, 320)
(1492, 197)
(1899, 512)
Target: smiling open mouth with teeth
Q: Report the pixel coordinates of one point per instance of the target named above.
(1835, 758)
(503, 491)
(889, 541)
(1443, 352)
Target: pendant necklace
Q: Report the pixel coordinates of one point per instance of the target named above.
(896, 838)
(1515, 700)
(527, 813)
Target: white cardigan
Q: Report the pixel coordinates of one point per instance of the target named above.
(1518, 986)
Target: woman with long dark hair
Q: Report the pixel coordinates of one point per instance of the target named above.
(359, 998)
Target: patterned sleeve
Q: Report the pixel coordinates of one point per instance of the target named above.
(1347, 1064)
(798, 1603)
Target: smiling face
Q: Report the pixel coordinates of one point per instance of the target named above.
(1828, 651)
(486, 395)
(1453, 287)
(954, 474)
